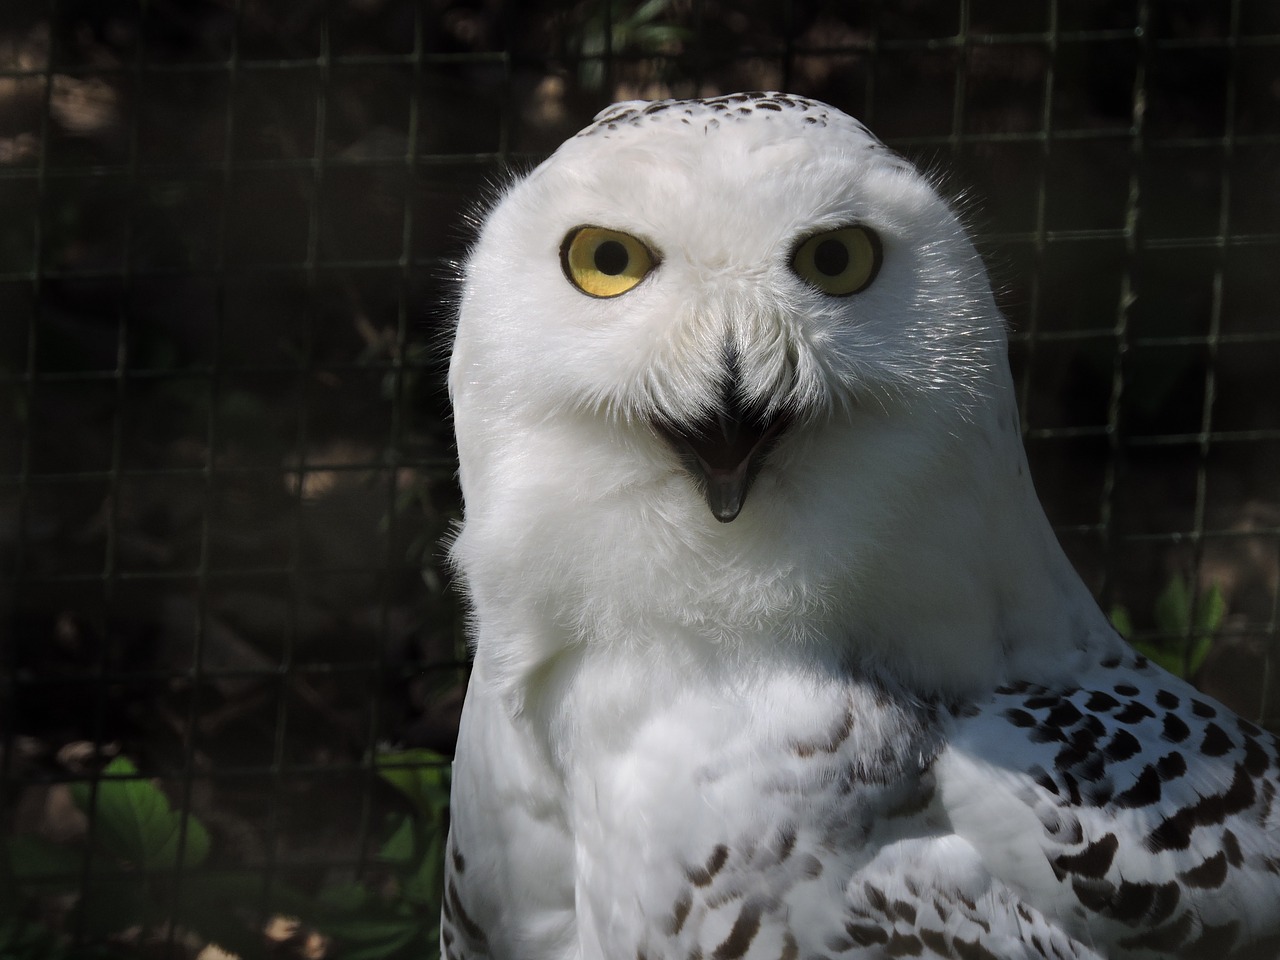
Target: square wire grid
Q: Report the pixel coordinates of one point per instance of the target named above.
(226, 282)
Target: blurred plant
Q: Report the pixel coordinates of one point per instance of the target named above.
(614, 28)
(131, 890)
(136, 835)
(402, 918)
(1185, 625)
(415, 386)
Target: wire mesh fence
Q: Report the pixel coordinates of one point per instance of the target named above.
(232, 661)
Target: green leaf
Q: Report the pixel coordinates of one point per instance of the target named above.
(347, 898)
(1200, 647)
(1211, 610)
(385, 948)
(24, 939)
(1121, 620)
(371, 929)
(1187, 622)
(109, 907)
(426, 884)
(1173, 607)
(650, 10)
(34, 861)
(373, 938)
(659, 35)
(134, 822)
(224, 906)
(422, 776)
(1171, 660)
(401, 845)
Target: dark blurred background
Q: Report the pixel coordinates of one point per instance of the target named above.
(231, 659)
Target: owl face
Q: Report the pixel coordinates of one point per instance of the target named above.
(721, 275)
(728, 378)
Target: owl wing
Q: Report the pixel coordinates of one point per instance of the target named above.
(1120, 815)
(506, 826)
(1139, 813)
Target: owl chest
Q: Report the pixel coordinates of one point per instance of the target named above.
(717, 813)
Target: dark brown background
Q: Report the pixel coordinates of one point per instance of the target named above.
(227, 240)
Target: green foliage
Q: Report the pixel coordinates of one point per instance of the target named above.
(134, 823)
(1185, 625)
(22, 938)
(402, 919)
(137, 839)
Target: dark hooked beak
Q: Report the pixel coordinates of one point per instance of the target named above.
(723, 451)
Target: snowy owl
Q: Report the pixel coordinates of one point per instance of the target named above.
(776, 655)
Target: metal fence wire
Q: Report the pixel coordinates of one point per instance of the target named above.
(232, 662)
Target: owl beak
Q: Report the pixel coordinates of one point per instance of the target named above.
(723, 452)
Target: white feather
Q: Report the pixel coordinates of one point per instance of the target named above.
(802, 707)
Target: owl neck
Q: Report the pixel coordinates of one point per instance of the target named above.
(925, 556)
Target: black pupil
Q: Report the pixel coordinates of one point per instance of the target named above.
(611, 258)
(831, 258)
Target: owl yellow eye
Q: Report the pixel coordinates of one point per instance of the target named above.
(839, 262)
(602, 262)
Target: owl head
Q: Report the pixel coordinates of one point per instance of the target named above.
(731, 367)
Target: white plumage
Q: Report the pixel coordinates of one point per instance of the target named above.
(776, 655)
